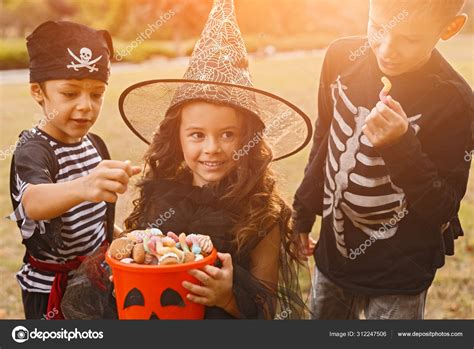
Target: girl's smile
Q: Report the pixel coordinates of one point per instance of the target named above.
(212, 165)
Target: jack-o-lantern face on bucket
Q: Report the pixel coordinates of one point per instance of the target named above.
(156, 292)
(169, 298)
(157, 301)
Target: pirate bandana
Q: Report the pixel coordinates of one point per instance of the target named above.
(65, 50)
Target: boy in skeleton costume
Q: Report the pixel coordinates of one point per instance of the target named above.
(387, 176)
(63, 184)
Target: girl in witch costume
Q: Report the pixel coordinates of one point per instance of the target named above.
(209, 160)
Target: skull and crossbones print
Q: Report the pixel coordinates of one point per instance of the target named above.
(84, 60)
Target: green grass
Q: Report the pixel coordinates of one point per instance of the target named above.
(293, 78)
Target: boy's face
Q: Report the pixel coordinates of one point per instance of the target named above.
(209, 135)
(73, 105)
(404, 43)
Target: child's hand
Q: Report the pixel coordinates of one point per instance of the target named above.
(216, 289)
(386, 123)
(307, 245)
(108, 179)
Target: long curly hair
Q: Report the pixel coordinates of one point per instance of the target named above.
(250, 188)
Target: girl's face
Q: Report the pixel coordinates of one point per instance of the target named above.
(209, 135)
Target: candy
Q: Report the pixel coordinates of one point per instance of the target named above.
(153, 260)
(165, 250)
(183, 242)
(121, 248)
(168, 259)
(137, 235)
(127, 260)
(196, 249)
(138, 253)
(145, 247)
(189, 257)
(190, 239)
(387, 86)
(205, 243)
(173, 236)
(156, 231)
(149, 258)
(168, 242)
(151, 244)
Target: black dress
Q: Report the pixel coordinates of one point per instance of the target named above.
(182, 207)
(199, 210)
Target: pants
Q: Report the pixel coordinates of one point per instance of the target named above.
(35, 304)
(331, 302)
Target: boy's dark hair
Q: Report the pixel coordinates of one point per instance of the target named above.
(442, 10)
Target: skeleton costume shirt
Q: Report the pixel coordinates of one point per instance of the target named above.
(389, 214)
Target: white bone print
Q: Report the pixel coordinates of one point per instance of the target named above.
(350, 159)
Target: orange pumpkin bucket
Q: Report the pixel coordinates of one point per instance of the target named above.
(155, 291)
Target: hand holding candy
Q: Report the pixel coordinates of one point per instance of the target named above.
(387, 121)
(216, 289)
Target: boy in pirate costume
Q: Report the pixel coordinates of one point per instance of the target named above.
(387, 176)
(63, 185)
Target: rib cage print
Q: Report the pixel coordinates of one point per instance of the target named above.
(357, 188)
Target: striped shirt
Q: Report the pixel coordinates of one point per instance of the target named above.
(83, 226)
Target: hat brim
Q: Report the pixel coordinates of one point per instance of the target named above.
(145, 104)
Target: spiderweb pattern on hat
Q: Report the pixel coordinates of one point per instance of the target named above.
(217, 73)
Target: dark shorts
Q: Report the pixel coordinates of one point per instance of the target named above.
(35, 304)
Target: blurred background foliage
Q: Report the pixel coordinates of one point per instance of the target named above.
(282, 25)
